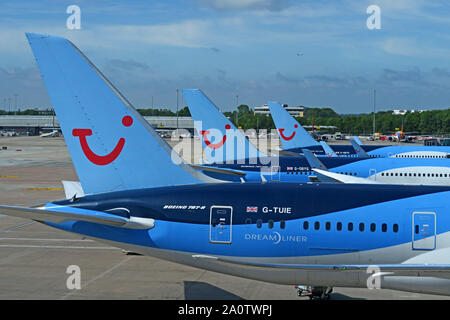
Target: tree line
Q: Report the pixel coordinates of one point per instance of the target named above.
(426, 122)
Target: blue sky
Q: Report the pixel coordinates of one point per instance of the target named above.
(313, 53)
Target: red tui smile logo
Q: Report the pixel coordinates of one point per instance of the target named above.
(93, 157)
(217, 145)
(290, 137)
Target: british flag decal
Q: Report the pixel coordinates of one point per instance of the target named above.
(252, 209)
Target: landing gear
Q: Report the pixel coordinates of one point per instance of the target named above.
(314, 292)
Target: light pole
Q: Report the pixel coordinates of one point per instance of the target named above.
(15, 103)
(374, 103)
(177, 109)
(237, 109)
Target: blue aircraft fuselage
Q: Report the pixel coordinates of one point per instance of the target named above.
(297, 169)
(380, 150)
(276, 221)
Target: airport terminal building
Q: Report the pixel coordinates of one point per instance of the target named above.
(34, 125)
(293, 111)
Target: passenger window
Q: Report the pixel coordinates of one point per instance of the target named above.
(259, 223)
(328, 225)
(339, 226)
(248, 221)
(384, 227)
(361, 227)
(373, 227)
(282, 224)
(270, 224)
(305, 225)
(317, 225)
(395, 228)
(350, 226)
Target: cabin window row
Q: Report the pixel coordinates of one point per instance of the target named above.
(310, 173)
(350, 226)
(414, 174)
(270, 223)
(422, 156)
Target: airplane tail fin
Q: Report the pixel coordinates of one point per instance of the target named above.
(222, 141)
(358, 149)
(313, 161)
(111, 145)
(292, 134)
(328, 150)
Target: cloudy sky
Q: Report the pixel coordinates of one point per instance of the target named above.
(315, 53)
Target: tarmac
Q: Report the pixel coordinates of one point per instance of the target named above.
(35, 259)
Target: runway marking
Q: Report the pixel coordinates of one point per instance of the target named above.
(9, 177)
(55, 247)
(17, 227)
(97, 277)
(43, 189)
(39, 239)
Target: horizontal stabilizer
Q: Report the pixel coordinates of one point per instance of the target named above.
(313, 161)
(226, 171)
(289, 153)
(72, 214)
(325, 176)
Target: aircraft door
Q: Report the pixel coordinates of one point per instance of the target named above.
(372, 174)
(220, 224)
(424, 231)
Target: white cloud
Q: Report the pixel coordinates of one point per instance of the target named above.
(401, 46)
